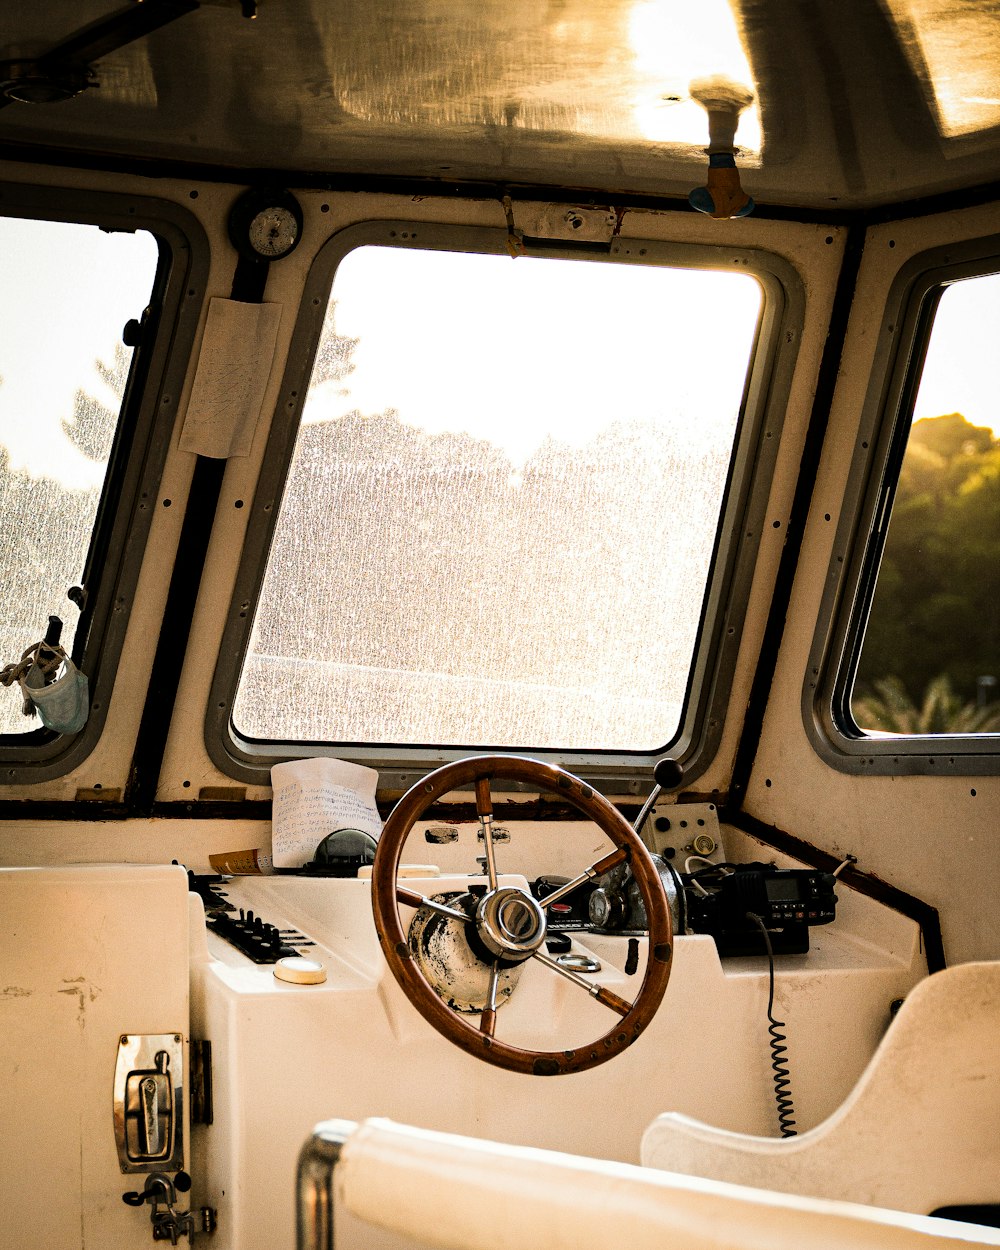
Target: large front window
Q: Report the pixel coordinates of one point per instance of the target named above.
(503, 503)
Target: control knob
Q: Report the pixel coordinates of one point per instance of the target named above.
(607, 909)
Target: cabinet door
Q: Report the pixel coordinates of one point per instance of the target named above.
(90, 956)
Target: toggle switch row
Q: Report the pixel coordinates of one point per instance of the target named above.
(262, 942)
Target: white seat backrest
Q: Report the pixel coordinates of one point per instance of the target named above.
(920, 1130)
(465, 1194)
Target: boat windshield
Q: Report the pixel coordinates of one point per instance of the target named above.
(503, 502)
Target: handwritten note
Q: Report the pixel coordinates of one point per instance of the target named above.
(314, 797)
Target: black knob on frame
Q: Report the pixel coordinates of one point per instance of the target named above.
(668, 774)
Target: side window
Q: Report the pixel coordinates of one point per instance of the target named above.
(930, 660)
(100, 298)
(66, 292)
(904, 673)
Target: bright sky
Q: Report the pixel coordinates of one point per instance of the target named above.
(518, 350)
(66, 292)
(960, 372)
(452, 341)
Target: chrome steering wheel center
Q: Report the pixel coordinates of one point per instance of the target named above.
(510, 923)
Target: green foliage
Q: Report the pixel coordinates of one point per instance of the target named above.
(889, 709)
(935, 622)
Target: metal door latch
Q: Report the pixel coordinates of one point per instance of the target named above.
(160, 1192)
(148, 1102)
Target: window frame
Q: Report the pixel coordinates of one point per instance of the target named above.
(886, 419)
(139, 451)
(735, 545)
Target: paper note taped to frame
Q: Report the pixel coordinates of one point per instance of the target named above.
(314, 797)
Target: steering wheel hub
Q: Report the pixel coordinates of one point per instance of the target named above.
(452, 958)
(510, 923)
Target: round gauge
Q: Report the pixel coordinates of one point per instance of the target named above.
(265, 225)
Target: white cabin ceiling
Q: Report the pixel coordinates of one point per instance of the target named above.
(860, 103)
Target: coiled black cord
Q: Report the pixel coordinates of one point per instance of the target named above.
(779, 1051)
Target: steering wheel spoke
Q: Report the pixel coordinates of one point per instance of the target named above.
(603, 995)
(410, 898)
(484, 810)
(505, 927)
(595, 870)
(488, 1019)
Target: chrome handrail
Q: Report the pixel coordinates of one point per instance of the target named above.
(314, 1184)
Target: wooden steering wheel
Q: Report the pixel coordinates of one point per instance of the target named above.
(508, 925)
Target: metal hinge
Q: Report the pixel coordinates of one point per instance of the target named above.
(200, 1053)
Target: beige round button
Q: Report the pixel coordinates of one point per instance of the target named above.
(300, 971)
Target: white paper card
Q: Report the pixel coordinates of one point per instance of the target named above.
(234, 366)
(314, 797)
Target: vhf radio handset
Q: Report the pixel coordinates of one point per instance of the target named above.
(720, 901)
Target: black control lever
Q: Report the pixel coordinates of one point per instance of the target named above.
(668, 775)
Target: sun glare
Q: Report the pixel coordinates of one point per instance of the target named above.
(68, 290)
(959, 373)
(518, 351)
(675, 43)
(954, 50)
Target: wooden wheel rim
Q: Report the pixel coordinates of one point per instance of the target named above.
(396, 949)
